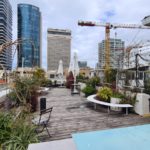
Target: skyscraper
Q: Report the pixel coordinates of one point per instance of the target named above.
(58, 48)
(82, 64)
(29, 29)
(5, 33)
(116, 53)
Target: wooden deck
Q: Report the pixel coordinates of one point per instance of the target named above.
(73, 114)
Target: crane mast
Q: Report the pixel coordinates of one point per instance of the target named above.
(107, 48)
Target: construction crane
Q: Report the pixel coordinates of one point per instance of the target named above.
(109, 26)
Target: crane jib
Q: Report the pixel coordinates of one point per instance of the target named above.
(112, 25)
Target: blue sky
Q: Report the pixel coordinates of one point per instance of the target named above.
(64, 14)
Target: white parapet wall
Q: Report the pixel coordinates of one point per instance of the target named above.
(142, 106)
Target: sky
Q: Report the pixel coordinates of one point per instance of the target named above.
(64, 14)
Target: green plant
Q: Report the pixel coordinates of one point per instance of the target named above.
(12, 96)
(104, 94)
(21, 137)
(46, 83)
(128, 100)
(16, 134)
(89, 90)
(23, 91)
(82, 78)
(116, 94)
(93, 81)
(6, 122)
(39, 74)
(110, 75)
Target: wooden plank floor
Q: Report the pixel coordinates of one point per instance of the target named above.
(72, 114)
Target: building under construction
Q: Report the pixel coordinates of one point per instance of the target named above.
(116, 53)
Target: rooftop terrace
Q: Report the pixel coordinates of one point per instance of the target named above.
(72, 114)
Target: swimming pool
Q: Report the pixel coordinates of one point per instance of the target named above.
(129, 138)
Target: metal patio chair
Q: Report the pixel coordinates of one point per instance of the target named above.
(43, 120)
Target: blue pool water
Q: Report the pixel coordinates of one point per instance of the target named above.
(129, 138)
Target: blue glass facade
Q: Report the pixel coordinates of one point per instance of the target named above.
(29, 29)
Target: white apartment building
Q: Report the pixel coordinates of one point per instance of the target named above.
(130, 59)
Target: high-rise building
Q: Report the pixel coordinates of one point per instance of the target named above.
(82, 64)
(116, 53)
(58, 48)
(5, 34)
(29, 29)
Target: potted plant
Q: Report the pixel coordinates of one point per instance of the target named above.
(89, 90)
(23, 92)
(94, 81)
(104, 94)
(18, 133)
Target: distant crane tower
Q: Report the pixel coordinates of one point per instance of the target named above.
(109, 26)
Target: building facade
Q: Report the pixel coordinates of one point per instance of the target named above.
(82, 64)
(116, 54)
(143, 60)
(5, 34)
(29, 30)
(58, 48)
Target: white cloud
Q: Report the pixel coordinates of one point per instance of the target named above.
(66, 13)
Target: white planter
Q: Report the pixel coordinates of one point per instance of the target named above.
(114, 100)
(142, 104)
(82, 85)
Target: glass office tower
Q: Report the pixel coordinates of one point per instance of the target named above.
(5, 34)
(29, 30)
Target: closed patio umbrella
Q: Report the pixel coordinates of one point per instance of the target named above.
(60, 71)
(74, 67)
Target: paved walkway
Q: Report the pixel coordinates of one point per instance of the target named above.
(73, 114)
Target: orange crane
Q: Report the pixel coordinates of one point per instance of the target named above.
(109, 26)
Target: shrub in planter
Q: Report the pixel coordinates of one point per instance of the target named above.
(16, 134)
(21, 137)
(89, 90)
(46, 83)
(23, 90)
(81, 78)
(116, 94)
(104, 94)
(5, 127)
(128, 100)
(93, 81)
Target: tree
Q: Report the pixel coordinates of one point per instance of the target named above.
(39, 74)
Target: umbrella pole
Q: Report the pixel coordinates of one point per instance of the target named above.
(74, 83)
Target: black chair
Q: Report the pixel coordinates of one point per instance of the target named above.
(42, 121)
